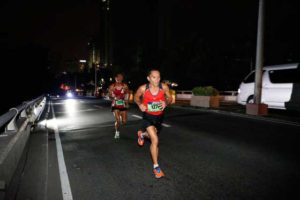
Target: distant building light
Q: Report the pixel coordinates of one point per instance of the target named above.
(82, 61)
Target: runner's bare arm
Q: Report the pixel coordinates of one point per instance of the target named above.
(110, 91)
(126, 88)
(137, 97)
(127, 92)
(167, 93)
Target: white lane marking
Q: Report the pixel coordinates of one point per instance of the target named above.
(163, 124)
(64, 179)
(47, 151)
(48, 110)
(77, 111)
(98, 106)
(137, 116)
(166, 125)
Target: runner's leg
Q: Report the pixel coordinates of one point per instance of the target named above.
(124, 117)
(117, 122)
(151, 130)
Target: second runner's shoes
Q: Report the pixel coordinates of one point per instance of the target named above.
(117, 135)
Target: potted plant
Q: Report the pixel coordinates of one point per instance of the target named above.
(206, 96)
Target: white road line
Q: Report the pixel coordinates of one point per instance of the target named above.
(166, 125)
(98, 106)
(48, 110)
(163, 124)
(137, 116)
(78, 111)
(47, 153)
(64, 179)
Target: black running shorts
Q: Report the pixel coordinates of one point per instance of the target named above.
(152, 120)
(120, 109)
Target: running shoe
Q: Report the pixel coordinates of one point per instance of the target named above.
(158, 173)
(140, 138)
(117, 135)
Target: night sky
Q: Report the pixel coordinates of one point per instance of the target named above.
(205, 42)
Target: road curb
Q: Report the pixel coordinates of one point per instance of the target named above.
(262, 118)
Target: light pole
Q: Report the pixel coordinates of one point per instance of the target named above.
(257, 108)
(95, 93)
(95, 68)
(259, 53)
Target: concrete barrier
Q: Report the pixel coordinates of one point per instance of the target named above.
(12, 144)
(11, 154)
(227, 96)
(183, 95)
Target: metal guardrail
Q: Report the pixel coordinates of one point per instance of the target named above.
(29, 110)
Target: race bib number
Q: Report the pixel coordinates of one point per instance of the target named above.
(120, 102)
(154, 106)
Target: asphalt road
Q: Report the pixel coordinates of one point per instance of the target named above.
(204, 154)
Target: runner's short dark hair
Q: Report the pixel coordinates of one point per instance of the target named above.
(151, 70)
(119, 73)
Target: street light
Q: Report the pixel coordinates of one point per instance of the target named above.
(96, 65)
(96, 68)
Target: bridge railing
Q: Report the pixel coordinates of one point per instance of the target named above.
(29, 110)
(15, 127)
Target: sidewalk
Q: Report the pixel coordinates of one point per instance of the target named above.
(233, 107)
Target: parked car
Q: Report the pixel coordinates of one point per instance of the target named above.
(277, 85)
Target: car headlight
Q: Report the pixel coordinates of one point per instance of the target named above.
(69, 94)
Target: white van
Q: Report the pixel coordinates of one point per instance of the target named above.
(277, 85)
